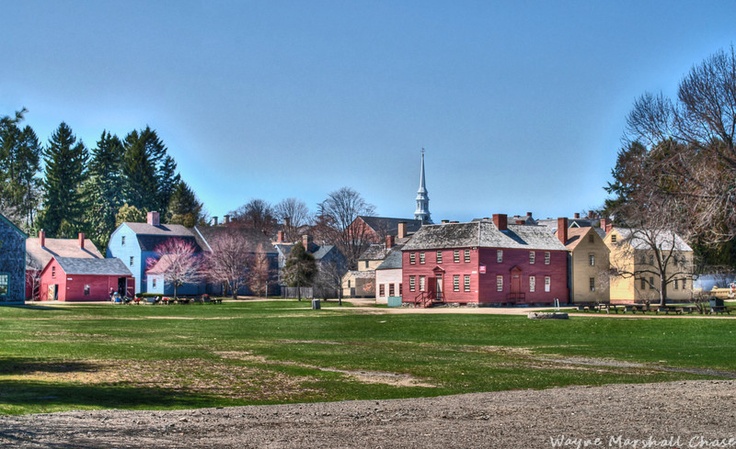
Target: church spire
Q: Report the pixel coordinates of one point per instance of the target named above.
(422, 212)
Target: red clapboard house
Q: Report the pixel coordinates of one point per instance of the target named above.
(84, 279)
(485, 262)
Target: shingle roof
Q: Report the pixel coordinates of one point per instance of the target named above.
(390, 226)
(665, 240)
(5, 219)
(392, 261)
(375, 251)
(257, 241)
(59, 248)
(86, 266)
(483, 234)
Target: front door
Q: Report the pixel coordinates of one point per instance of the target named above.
(516, 294)
(439, 288)
(52, 293)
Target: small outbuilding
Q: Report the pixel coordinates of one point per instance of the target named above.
(83, 279)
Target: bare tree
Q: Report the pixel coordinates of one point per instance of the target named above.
(33, 277)
(335, 223)
(260, 272)
(257, 215)
(178, 262)
(329, 280)
(698, 131)
(229, 260)
(294, 214)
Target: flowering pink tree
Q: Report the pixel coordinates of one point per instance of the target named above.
(178, 262)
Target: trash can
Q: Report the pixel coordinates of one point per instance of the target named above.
(315, 304)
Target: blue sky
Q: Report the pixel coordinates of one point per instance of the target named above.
(520, 105)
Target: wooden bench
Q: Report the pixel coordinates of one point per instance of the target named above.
(719, 309)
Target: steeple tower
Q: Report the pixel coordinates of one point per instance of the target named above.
(422, 212)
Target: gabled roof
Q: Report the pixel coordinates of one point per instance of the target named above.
(577, 235)
(150, 236)
(86, 266)
(375, 251)
(256, 241)
(59, 248)
(319, 252)
(161, 265)
(483, 234)
(393, 260)
(390, 226)
(4, 219)
(665, 240)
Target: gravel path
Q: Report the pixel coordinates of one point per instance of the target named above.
(669, 415)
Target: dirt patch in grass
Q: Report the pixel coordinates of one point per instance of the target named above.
(363, 376)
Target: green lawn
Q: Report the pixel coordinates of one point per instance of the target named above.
(184, 356)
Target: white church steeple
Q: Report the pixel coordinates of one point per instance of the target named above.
(422, 212)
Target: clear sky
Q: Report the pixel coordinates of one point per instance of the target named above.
(520, 105)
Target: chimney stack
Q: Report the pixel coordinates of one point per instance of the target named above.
(154, 219)
(402, 230)
(577, 215)
(606, 225)
(42, 237)
(562, 230)
(306, 240)
(280, 237)
(501, 221)
(214, 221)
(389, 241)
(227, 219)
(81, 240)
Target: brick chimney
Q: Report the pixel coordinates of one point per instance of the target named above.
(390, 241)
(214, 221)
(227, 219)
(562, 230)
(501, 221)
(402, 230)
(577, 215)
(42, 237)
(306, 240)
(280, 237)
(81, 240)
(606, 225)
(153, 219)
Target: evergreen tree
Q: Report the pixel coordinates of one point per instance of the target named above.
(65, 162)
(20, 153)
(129, 214)
(184, 208)
(300, 269)
(149, 173)
(103, 188)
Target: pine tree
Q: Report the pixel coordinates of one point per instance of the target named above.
(184, 208)
(20, 153)
(65, 162)
(103, 188)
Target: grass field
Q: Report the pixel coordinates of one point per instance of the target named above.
(240, 353)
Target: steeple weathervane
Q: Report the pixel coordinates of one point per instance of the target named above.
(422, 211)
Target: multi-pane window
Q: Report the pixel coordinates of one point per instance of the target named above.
(532, 284)
(613, 238)
(456, 256)
(381, 290)
(547, 257)
(683, 283)
(643, 285)
(676, 284)
(4, 284)
(499, 255)
(499, 283)
(122, 241)
(466, 282)
(651, 259)
(456, 283)
(132, 259)
(532, 257)
(591, 260)
(412, 283)
(401, 290)
(591, 284)
(439, 256)
(422, 258)
(391, 289)
(412, 258)
(153, 283)
(467, 256)
(422, 283)
(651, 282)
(86, 290)
(53, 271)
(547, 284)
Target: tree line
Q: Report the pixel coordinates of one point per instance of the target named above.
(676, 170)
(64, 187)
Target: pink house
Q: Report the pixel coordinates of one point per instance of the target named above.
(487, 262)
